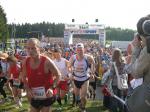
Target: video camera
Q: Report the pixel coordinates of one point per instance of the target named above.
(146, 30)
(143, 28)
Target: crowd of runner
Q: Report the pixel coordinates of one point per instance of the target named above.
(56, 72)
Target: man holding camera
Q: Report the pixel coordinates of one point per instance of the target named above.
(140, 68)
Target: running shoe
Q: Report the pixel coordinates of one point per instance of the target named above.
(23, 94)
(19, 103)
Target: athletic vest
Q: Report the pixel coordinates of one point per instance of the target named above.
(37, 77)
(14, 70)
(80, 69)
(5, 67)
(62, 67)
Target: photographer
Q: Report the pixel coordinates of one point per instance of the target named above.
(140, 59)
(140, 68)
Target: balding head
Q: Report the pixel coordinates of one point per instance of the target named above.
(34, 41)
(33, 47)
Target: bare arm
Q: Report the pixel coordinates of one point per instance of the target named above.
(68, 66)
(141, 64)
(50, 66)
(23, 75)
(71, 63)
(92, 63)
(25, 81)
(9, 74)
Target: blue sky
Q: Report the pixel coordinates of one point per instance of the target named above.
(114, 13)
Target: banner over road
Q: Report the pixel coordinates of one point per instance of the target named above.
(93, 29)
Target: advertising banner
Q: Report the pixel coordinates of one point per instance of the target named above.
(93, 29)
(68, 37)
(102, 38)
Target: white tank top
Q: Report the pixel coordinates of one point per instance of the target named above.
(80, 69)
(61, 64)
(5, 67)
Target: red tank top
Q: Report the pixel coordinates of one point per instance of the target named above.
(37, 77)
(14, 70)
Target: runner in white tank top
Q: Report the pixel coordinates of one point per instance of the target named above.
(62, 65)
(79, 64)
(80, 69)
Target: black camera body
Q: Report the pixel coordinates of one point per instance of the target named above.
(146, 31)
(146, 28)
(143, 28)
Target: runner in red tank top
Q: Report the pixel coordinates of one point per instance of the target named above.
(15, 80)
(14, 70)
(37, 75)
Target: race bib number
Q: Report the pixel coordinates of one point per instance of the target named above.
(16, 82)
(63, 77)
(39, 92)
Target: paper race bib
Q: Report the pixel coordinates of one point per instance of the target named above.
(39, 92)
(16, 82)
(63, 77)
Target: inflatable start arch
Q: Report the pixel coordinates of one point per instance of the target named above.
(71, 29)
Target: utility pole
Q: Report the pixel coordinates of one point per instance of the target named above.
(13, 34)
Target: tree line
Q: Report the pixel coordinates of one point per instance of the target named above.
(57, 30)
(4, 32)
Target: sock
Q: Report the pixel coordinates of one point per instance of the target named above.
(77, 99)
(66, 98)
(74, 99)
(94, 96)
(16, 99)
(2, 91)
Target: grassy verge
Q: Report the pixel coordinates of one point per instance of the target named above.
(92, 106)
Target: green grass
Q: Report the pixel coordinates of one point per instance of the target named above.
(92, 106)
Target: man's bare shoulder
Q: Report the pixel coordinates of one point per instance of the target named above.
(72, 58)
(48, 60)
(89, 56)
(24, 61)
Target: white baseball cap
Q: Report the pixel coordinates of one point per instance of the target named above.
(80, 45)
